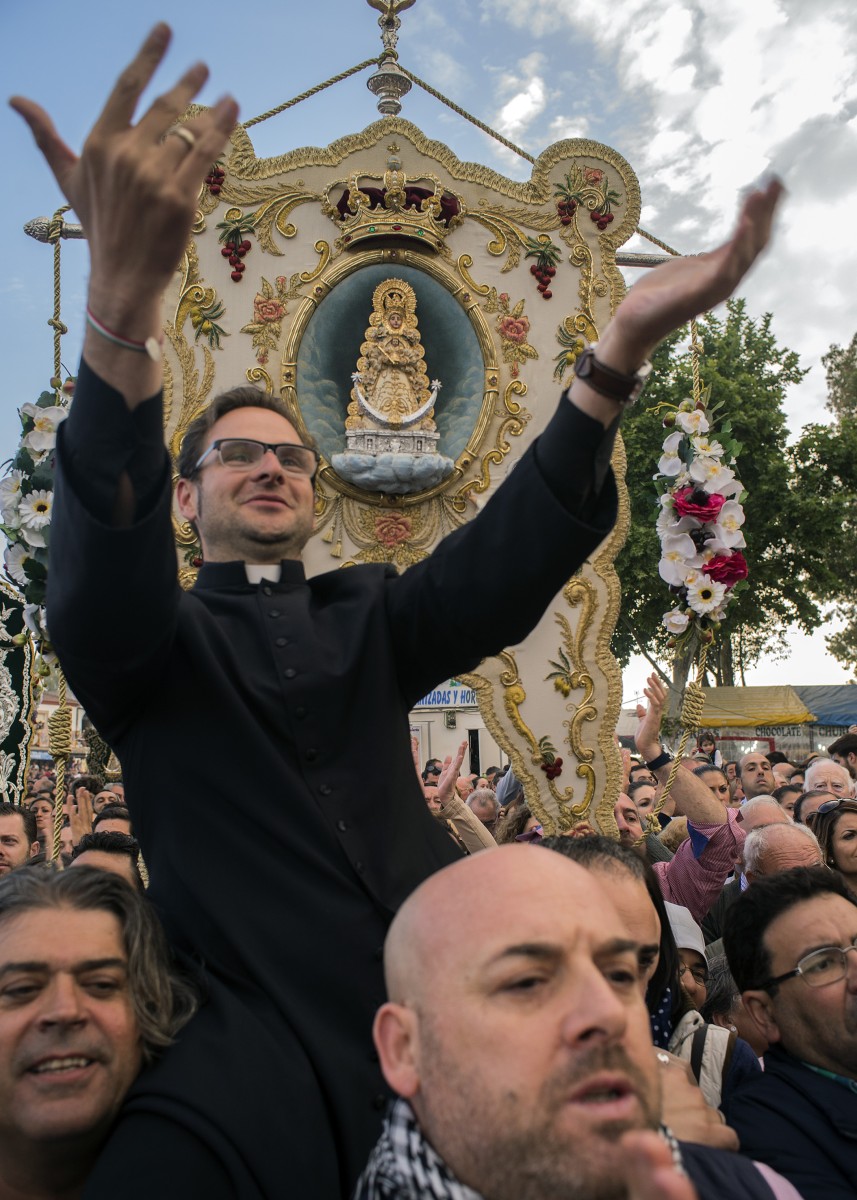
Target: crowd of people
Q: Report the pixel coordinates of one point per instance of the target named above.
(753, 1081)
(335, 982)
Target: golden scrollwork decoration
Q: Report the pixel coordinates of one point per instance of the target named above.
(260, 375)
(275, 206)
(514, 419)
(464, 263)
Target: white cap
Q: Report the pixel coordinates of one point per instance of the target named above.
(687, 934)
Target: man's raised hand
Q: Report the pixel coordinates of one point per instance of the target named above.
(449, 774)
(135, 189)
(647, 739)
(673, 294)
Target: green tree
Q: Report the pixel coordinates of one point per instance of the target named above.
(788, 547)
(840, 366)
(825, 459)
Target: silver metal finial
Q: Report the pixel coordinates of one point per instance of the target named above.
(40, 229)
(389, 83)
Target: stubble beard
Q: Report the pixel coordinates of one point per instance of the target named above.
(231, 541)
(517, 1155)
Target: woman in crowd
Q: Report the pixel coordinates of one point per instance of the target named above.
(834, 823)
(42, 809)
(723, 1006)
(786, 796)
(715, 780)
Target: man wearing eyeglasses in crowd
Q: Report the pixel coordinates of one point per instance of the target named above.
(791, 941)
(260, 674)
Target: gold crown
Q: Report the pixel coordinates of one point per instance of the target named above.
(392, 206)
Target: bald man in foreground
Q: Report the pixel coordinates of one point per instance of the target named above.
(520, 1049)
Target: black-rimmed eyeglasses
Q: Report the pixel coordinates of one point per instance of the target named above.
(242, 454)
(828, 965)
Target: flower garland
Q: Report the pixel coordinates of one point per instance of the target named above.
(26, 506)
(700, 519)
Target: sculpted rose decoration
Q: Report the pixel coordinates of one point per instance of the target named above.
(391, 529)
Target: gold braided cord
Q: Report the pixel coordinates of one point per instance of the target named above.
(370, 62)
(55, 236)
(691, 718)
(59, 724)
(695, 352)
(463, 113)
(59, 744)
(650, 237)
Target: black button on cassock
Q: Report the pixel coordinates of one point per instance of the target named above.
(290, 672)
(359, 868)
(311, 755)
(300, 712)
(281, 641)
(325, 789)
(266, 591)
(342, 826)
(275, 612)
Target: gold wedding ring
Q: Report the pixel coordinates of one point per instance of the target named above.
(181, 131)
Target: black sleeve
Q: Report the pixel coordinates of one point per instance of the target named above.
(103, 438)
(178, 1165)
(555, 508)
(574, 455)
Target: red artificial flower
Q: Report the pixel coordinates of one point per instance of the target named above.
(727, 568)
(696, 502)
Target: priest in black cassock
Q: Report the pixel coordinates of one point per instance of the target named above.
(280, 702)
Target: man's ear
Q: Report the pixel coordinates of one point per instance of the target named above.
(760, 1007)
(35, 848)
(186, 499)
(395, 1032)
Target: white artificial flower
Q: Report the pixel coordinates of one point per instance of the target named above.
(45, 420)
(726, 531)
(694, 421)
(733, 488)
(672, 443)
(720, 546)
(676, 621)
(36, 508)
(679, 556)
(669, 464)
(730, 518)
(711, 473)
(703, 594)
(708, 449)
(667, 523)
(13, 560)
(10, 494)
(33, 537)
(34, 619)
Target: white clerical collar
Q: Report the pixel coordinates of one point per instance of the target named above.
(256, 572)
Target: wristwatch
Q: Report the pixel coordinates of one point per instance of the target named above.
(624, 389)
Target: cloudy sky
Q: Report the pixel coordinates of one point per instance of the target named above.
(702, 97)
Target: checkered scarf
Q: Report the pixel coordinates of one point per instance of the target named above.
(403, 1166)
